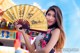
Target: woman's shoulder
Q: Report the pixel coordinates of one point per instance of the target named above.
(56, 30)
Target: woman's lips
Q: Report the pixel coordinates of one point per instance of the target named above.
(50, 21)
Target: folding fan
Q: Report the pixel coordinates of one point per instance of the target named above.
(31, 14)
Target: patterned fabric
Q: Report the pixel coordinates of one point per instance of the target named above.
(42, 39)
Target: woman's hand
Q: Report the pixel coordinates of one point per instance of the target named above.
(20, 29)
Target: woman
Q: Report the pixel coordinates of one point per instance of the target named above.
(53, 41)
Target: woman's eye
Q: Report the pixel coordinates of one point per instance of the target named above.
(48, 14)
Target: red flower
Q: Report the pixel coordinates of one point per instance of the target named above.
(43, 43)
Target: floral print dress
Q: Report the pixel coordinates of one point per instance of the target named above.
(42, 39)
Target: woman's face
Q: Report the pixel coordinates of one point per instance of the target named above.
(50, 17)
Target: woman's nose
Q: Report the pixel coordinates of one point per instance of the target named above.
(50, 17)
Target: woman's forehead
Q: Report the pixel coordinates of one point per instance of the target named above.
(51, 12)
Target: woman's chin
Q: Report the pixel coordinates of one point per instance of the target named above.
(49, 24)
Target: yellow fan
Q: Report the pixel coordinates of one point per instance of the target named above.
(32, 14)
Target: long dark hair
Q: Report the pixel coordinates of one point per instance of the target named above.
(58, 24)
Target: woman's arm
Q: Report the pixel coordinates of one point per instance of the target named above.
(30, 47)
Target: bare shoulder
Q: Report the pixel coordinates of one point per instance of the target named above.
(57, 30)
